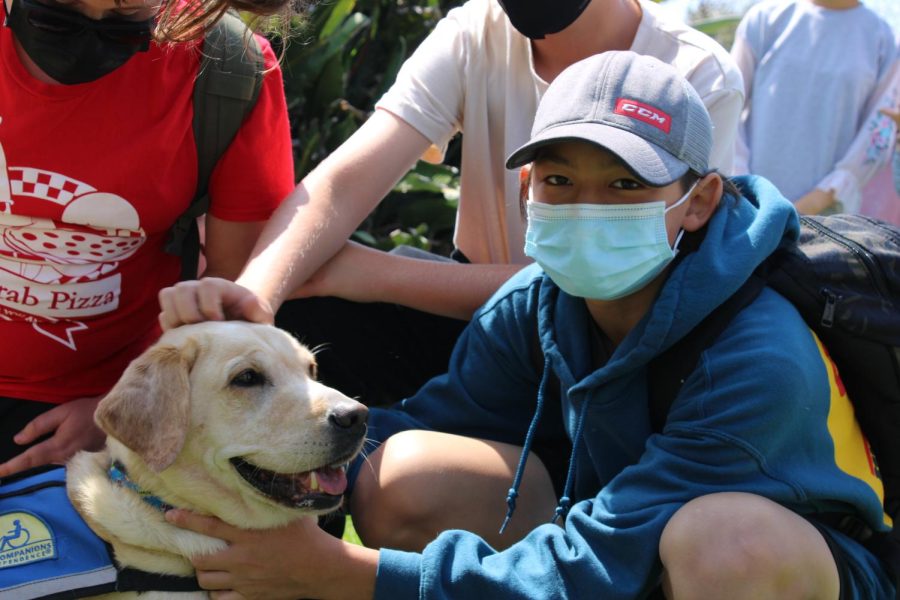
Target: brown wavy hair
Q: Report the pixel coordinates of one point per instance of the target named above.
(185, 21)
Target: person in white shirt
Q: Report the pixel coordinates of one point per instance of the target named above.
(481, 72)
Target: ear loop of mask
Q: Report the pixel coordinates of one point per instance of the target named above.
(681, 201)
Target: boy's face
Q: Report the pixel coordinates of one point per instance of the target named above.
(581, 173)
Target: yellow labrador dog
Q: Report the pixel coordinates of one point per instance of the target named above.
(224, 419)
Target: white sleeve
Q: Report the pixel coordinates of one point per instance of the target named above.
(746, 62)
(724, 108)
(871, 149)
(429, 90)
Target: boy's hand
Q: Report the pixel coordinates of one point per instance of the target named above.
(72, 428)
(298, 560)
(210, 299)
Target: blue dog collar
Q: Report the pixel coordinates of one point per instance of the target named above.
(118, 475)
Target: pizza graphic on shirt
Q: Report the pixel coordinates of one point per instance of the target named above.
(63, 266)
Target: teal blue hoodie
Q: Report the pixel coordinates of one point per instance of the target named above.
(764, 413)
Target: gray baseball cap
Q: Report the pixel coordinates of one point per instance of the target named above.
(637, 107)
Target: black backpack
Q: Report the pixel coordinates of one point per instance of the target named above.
(226, 89)
(843, 276)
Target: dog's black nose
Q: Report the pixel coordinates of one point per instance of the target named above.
(348, 415)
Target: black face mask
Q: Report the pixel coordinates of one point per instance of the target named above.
(536, 18)
(70, 47)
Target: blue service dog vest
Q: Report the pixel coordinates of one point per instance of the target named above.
(46, 548)
(48, 551)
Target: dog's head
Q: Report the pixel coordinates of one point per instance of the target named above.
(228, 418)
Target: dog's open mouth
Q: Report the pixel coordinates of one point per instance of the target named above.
(318, 489)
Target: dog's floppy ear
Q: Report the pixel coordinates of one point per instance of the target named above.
(148, 409)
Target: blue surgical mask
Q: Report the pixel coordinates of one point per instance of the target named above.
(600, 251)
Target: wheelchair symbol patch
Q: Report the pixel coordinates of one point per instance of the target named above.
(24, 538)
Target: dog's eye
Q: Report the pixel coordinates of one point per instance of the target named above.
(248, 378)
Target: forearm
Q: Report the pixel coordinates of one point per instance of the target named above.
(449, 289)
(315, 221)
(353, 576)
(446, 288)
(294, 244)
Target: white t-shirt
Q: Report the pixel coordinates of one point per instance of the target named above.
(475, 73)
(813, 75)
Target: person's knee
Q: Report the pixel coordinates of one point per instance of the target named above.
(419, 483)
(734, 545)
(706, 542)
(390, 499)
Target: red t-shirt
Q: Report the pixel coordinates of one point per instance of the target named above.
(91, 178)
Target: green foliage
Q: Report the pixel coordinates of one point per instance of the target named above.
(718, 18)
(350, 534)
(340, 60)
(719, 28)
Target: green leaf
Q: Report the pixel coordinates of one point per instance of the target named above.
(339, 12)
(310, 60)
(329, 86)
(398, 56)
(717, 26)
(364, 237)
(411, 237)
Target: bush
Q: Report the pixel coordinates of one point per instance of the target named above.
(339, 62)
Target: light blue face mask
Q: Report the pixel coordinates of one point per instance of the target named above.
(600, 251)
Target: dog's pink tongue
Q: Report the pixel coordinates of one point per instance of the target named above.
(332, 480)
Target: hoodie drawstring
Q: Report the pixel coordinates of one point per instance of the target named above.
(565, 502)
(526, 447)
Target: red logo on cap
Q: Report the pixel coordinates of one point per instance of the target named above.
(644, 112)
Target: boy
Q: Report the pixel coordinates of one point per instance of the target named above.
(634, 246)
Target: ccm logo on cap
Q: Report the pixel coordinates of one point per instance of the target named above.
(644, 112)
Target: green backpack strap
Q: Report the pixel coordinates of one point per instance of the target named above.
(226, 89)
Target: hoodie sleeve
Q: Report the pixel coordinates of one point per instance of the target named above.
(719, 437)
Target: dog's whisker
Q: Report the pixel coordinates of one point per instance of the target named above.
(323, 346)
(368, 446)
(369, 464)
